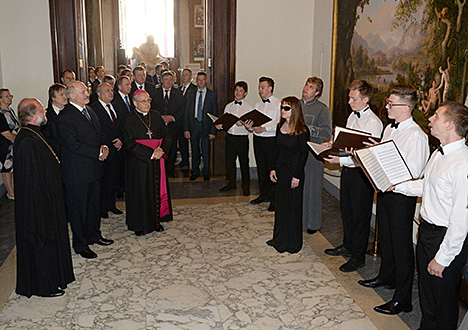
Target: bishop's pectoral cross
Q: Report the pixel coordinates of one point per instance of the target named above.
(149, 133)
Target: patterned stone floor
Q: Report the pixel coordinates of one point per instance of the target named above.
(210, 269)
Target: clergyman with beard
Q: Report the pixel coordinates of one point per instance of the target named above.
(44, 264)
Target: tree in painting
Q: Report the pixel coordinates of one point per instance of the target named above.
(431, 54)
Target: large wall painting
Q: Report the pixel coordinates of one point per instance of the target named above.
(422, 43)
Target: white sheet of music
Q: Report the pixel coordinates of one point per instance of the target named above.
(374, 169)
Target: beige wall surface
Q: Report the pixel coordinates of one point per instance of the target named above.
(286, 40)
(25, 52)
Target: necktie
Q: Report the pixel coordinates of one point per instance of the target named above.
(394, 125)
(357, 114)
(140, 87)
(265, 100)
(440, 149)
(114, 120)
(184, 88)
(238, 102)
(200, 106)
(86, 114)
(127, 103)
(166, 97)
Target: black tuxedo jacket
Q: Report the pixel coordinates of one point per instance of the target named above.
(175, 107)
(119, 105)
(110, 131)
(210, 105)
(192, 87)
(81, 140)
(50, 130)
(149, 87)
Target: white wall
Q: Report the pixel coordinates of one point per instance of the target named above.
(288, 41)
(25, 52)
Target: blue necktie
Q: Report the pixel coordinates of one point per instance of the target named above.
(127, 103)
(86, 114)
(200, 106)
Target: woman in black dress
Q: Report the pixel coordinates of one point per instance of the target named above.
(290, 156)
(9, 126)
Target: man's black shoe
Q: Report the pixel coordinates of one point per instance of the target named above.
(104, 241)
(88, 254)
(206, 177)
(115, 211)
(271, 207)
(227, 188)
(375, 283)
(59, 293)
(352, 265)
(339, 251)
(193, 177)
(245, 192)
(393, 308)
(311, 231)
(159, 228)
(258, 200)
(104, 215)
(139, 233)
(181, 164)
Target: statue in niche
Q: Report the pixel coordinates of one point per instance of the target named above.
(149, 53)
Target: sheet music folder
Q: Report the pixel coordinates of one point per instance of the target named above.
(228, 119)
(384, 165)
(344, 138)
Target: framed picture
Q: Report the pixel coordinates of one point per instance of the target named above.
(198, 49)
(418, 43)
(199, 16)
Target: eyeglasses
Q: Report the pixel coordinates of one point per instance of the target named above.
(145, 101)
(285, 107)
(391, 105)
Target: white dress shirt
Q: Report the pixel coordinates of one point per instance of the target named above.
(412, 143)
(367, 122)
(272, 110)
(168, 93)
(107, 109)
(56, 108)
(238, 110)
(444, 191)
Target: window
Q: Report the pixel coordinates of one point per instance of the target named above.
(141, 18)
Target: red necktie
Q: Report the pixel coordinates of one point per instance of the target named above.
(114, 120)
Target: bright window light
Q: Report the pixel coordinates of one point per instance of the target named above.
(141, 18)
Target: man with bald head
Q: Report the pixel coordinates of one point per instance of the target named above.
(147, 142)
(84, 150)
(44, 265)
(109, 119)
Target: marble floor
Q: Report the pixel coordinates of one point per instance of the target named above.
(210, 269)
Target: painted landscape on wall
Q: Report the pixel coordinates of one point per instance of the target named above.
(422, 43)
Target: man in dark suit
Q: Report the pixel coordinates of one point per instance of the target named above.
(109, 120)
(123, 105)
(58, 100)
(171, 103)
(198, 127)
(140, 83)
(67, 77)
(187, 87)
(122, 102)
(83, 151)
(157, 74)
(100, 73)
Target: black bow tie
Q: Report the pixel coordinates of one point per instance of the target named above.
(357, 113)
(394, 125)
(440, 149)
(238, 102)
(265, 100)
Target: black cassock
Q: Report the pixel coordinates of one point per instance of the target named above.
(144, 209)
(43, 247)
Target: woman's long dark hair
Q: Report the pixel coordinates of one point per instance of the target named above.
(296, 122)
